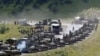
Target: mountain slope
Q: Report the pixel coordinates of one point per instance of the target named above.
(34, 9)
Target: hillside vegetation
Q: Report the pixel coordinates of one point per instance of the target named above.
(13, 31)
(34, 9)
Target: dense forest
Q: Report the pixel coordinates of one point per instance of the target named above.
(19, 5)
(55, 7)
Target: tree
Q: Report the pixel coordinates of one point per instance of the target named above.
(68, 1)
(2, 30)
(52, 7)
(85, 1)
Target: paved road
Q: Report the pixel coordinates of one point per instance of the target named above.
(69, 27)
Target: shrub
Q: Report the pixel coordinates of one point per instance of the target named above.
(3, 29)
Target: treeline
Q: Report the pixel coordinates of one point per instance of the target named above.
(19, 5)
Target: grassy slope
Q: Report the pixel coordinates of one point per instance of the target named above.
(13, 32)
(64, 10)
(87, 47)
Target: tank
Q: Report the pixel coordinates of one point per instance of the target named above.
(13, 52)
(11, 41)
(2, 53)
(41, 47)
(52, 45)
(32, 49)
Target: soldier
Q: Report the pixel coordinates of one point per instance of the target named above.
(15, 22)
(73, 28)
(96, 27)
(97, 22)
(44, 22)
(1, 42)
(70, 34)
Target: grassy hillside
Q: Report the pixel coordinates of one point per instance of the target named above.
(39, 9)
(13, 32)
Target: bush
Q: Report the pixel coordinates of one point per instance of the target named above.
(68, 2)
(85, 1)
(3, 29)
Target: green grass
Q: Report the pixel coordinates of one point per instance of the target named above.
(65, 11)
(87, 47)
(71, 10)
(12, 32)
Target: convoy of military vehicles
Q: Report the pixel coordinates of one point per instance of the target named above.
(46, 35)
